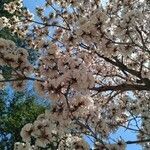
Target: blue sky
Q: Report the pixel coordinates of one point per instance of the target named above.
(126, 135)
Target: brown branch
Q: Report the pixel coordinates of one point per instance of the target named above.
(122, 87)
(120, 65)
(21, 79)
(124, 68)
(61, 16)
(49, 25)
(138, 141)
(142, 39)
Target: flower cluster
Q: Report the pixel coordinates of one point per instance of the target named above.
(4, 22)
(73, 142)
(63, 118)
(20, 20)
(51, 128)
(121, 145)
(61, 70)
(12, 7)
(23, 146)
(16, 59)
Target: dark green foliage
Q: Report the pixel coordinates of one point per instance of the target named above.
(6, 72)
(14, 115)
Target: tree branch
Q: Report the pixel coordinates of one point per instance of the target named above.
(49, 25)
(138, 141)
(21, 79)
(122, 87)
(123, 67)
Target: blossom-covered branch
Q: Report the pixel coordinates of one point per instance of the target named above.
(93, 66)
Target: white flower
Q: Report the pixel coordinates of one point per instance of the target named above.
(26, 132)
(4, 22)
(10, 7)
(42, 142)
(23, 146)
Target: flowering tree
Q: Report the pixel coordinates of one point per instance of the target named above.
(93, 66)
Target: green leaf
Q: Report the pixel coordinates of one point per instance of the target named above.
(6, 72)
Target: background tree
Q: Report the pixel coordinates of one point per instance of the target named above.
(14, 114)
